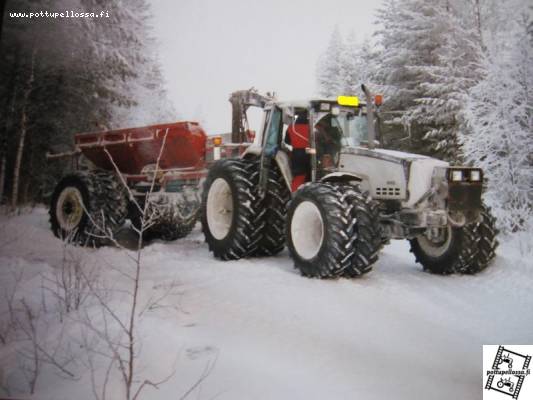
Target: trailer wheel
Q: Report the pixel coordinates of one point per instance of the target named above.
(85, 203)
(275, 214)
(485, 232)
(319, 231)
(367, 232)
(231, 221)
(169, 231)
(167, 225)
(447, 250)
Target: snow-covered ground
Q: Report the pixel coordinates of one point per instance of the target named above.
(268, 333)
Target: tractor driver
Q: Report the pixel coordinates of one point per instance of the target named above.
(328, 142)
(298, 137)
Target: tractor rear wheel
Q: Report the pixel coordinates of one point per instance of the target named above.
(87, 208)
(231, 221)
(319, 231)
(274, 204)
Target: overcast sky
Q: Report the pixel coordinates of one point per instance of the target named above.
(211, 48)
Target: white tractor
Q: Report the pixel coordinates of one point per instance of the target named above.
(356, 197)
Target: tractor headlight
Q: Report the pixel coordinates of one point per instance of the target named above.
(457, 175)
(475, 175)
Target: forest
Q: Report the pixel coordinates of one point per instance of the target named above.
(457, 77)
(71, 75)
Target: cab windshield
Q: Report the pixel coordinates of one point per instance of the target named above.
(349, 128)
(354, 127)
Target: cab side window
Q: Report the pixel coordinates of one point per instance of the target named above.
(273, 137)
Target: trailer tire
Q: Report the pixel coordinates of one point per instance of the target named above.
(231, 219)
(84, 203)
(166, 229)
(486, 233)
(319, 231)
(367, 231)
(274, 204)
(454, 253)
(169, 232)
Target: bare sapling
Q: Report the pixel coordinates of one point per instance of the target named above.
(117, 332)
(69, 282)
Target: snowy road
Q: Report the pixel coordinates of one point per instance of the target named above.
(397, 333)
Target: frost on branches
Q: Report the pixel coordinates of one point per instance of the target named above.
(500, 114)
(344, 66)
(427, 63)
(329, 68)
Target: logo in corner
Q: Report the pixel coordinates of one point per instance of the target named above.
(510, 368)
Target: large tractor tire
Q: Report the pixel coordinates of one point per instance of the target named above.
(87, 208)
(367, 231)
(452, 250)
(465, 250)
(231, 219)
(320, 231)
(486, 232)
(274, 205)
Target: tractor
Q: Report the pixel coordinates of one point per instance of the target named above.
(355, 199)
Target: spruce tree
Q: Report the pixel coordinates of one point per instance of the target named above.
(330, 69)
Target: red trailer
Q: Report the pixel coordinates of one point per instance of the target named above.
(160, 164)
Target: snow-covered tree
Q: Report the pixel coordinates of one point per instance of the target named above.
(427, 62)
(329, 68)
(445, 84)
(357, 65)
(500, 114)
(63, 76)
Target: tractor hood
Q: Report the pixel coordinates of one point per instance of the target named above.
(390, 174)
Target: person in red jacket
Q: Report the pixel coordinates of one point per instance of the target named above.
(298, 137)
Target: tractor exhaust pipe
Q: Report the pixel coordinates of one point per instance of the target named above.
(369, 116)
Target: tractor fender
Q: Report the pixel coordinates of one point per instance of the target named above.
(252, 151)
(342, 177)
(282, 159)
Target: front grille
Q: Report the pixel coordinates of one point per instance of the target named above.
(464, 196)
(388, 191)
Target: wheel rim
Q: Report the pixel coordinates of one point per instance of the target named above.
(307, 230)
(219, 208)
(69, 208)
(436, 246)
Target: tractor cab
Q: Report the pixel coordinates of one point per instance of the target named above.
(332, 127)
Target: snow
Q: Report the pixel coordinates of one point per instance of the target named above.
(269, 333)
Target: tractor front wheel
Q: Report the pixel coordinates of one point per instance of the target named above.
(445, 251)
